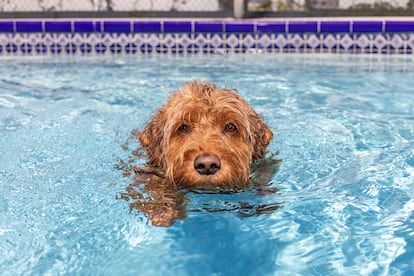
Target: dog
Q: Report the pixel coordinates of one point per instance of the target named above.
(205, 137)
(202, 138)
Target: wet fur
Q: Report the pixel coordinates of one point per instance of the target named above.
(206, 110)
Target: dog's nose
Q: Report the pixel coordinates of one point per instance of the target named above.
(207, 163)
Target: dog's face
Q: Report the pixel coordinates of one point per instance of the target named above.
(205, 137)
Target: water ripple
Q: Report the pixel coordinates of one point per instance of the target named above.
(340, 204)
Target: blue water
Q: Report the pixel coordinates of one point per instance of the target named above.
(344, 126)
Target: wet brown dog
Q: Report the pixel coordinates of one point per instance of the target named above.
(205, 137)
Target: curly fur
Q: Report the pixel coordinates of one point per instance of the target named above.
(205, 111)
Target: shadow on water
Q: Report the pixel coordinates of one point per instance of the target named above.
(163, 204)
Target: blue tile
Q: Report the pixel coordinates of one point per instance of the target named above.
(273, 27)
(147, 27)
(58, 26)
(399, 26)
(239, 27)
(177, 27)
(131, 48)
(41, 48)
(117, 26)
(99, 26)
(302, 27)
(208, 27)
(26, 48)
(29, 26)
(11, 48)
(84, 26)
(55, 48)
(367, 26)
(6, 27)
(70, 48)
(335, 27)
(101, 48)
(85, 48)
(115, 48)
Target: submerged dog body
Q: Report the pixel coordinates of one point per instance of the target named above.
(204, 137)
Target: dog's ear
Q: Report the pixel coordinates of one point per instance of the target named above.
(261, 136)
(151, 139)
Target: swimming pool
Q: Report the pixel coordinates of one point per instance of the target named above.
(343, 125)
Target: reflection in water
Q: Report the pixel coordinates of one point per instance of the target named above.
(150, 194)
(164, 204)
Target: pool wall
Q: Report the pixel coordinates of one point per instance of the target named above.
(192, 36)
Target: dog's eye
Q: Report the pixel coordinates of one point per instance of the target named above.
(230, 128)
(184, 129)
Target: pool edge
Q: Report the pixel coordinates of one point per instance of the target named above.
(382, 35)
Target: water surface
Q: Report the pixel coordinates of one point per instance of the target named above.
(344, 126)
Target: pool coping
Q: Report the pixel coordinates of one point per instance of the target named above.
(209, 35)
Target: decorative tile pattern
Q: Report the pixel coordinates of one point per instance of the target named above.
(131, 37)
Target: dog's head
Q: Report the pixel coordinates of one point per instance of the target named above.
(205, 137)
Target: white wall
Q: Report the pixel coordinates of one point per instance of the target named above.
(147, 5)
(118, 5)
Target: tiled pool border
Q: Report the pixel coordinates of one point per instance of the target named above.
(132, 36)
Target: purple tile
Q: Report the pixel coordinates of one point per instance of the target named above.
(99, 26)
(177, 27)
(208, 27)
(367, 26)
(239, 27)
(117, 26)
(302, 27)
(335, 27)
(84, 26)
(29, 26)
(6, 27)
(273, 27)
(58, 26)
(399, 26)
(147, 27)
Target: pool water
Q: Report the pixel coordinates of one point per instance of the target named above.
(344, 126)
